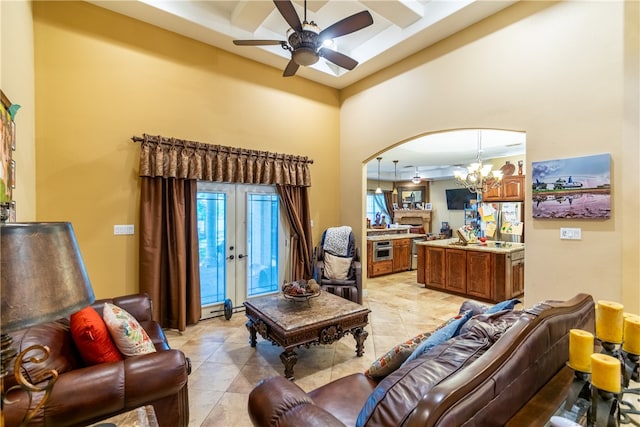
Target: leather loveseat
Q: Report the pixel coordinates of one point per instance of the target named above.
(84, 395)
(481, 377)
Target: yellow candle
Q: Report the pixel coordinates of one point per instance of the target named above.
(609, 321)
(631, 335)
(580, 350)
(605, 372)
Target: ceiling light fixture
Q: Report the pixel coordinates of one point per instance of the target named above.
(478, 178)
(416, 179)
(395, 177)
(378, 190)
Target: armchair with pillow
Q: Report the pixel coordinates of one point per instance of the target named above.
(336, 264)
(111, 357)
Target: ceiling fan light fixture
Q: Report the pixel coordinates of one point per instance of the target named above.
(307, 43)
(327, 42)
(305, 56)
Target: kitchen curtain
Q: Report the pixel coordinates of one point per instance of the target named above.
(169, 171)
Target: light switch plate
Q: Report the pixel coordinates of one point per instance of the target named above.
(571, 233)
(119, 230)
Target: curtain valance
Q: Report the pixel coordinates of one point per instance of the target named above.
(175, 158)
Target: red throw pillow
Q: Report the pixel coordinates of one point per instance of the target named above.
(92, 338)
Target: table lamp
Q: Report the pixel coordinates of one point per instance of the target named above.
(43, 279)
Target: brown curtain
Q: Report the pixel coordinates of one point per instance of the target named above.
(296, 202)
(169, 171)
(169, 264)
(173, 158)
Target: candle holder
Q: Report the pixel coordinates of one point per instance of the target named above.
(630, 372)
(577, 404)
(604, 410)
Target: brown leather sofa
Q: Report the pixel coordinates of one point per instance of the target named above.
(479, 378)
(84, 395)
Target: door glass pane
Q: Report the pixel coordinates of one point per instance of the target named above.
(212, 208)
(262, 244)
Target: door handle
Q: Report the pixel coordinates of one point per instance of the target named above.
(231, 257)
(242, 256)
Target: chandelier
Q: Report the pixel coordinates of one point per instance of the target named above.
(416, 179)
(478, 178)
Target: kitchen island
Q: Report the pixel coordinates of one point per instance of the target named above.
(490, 272)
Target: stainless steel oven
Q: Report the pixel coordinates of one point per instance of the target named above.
(382, 250)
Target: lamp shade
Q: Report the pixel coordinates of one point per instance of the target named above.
(42, 274)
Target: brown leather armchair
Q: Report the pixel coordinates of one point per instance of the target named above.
(350, 287)
(84, 395)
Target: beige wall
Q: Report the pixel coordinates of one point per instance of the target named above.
(102, 78)
(565, 73)
(561, 72)
(16, 81)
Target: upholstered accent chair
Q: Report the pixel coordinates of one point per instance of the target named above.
(337, 267)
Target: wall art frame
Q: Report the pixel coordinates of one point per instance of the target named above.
(572, 188)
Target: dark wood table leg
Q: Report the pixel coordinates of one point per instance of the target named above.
(252, 332)
(360, 335)
(289, 358)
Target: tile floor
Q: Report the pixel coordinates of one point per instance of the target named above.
(225, 368)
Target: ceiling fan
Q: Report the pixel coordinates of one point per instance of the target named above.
(307, 43)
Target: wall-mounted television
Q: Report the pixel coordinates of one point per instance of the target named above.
(458, 198)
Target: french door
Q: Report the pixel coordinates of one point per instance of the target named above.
(243, 244)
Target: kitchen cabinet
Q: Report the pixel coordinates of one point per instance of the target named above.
(517, 273)
(511, 189)
(456, 270)
(401, 255)
(479, 277)
(435, 267)
(421, 264)
(400, 258)
(381, 267)
(483, 273)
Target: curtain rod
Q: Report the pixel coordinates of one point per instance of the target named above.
(194, 144)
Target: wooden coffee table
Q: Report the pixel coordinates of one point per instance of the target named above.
(291, 323)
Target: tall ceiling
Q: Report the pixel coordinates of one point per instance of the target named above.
(400, 28)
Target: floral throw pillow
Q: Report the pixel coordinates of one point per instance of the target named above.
(395, 357)
(392, 359)
(130, 338)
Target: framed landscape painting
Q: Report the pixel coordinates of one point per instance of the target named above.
(575, 188)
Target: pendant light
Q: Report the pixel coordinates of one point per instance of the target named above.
(378, 190)
(395, 177)
(416, 179)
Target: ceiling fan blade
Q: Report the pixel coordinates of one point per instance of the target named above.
(257, 42)
(289, 14)
(291, 69)
(338, 58)
(348, 25)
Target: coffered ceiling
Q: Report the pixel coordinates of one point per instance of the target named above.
(400, 28)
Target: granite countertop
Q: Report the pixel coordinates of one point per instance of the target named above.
(394, 236)
(489, 246)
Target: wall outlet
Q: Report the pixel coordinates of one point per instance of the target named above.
(119, 230)
(571, 233)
